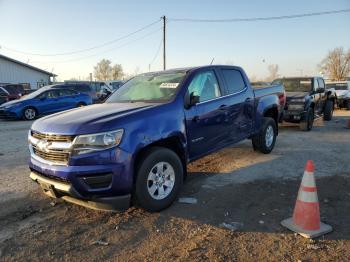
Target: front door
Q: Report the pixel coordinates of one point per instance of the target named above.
(206, 120)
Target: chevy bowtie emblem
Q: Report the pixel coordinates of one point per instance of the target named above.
(43, 145)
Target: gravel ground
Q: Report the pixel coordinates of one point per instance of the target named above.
(250, 191)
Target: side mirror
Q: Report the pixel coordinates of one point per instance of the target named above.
(320, 90)
(191, 100)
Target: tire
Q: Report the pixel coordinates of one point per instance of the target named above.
(29, 113)
(148, 193)
(81, 104)
(266, 139)
(307, 124)
(328, 111)
(347, 104)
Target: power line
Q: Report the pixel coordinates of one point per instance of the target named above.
(157, 52)
(83, 50)
(106, 51)
(252, 19)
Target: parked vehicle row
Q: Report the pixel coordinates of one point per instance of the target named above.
(137, 144)
(10, 92)
(46, 100)
(307, 99)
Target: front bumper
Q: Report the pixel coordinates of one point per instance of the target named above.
(8, 114)
(66, 191)
(294, 115)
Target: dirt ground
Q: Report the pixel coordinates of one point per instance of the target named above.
(236, 186)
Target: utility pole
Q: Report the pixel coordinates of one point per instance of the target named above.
(164, 51)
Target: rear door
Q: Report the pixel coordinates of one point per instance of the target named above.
(240, 104)
(67, 99)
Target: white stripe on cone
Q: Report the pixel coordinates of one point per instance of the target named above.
(309, 197)
(308, 179)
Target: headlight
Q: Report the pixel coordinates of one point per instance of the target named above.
(95, 142)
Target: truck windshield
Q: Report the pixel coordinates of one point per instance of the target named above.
(338, 86)
(150, 87)
(295, 84)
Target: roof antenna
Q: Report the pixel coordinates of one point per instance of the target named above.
(212, 61)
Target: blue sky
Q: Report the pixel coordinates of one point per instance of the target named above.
(46, 27)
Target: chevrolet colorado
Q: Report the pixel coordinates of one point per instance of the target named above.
(307, 98)
(136, 145)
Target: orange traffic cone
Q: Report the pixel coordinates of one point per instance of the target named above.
(306, 215)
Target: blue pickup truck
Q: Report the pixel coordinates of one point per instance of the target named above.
(134, 148)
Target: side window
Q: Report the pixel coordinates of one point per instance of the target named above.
(66, 92)
(320, 82)
(205, 85)
(52, 94)
(234, 80)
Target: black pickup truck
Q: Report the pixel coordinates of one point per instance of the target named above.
(307, 99)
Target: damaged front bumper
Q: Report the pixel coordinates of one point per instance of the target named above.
(66, 191)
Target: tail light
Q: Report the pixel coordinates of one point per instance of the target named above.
(282, 98)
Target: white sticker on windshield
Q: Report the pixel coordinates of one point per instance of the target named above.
(169, 85)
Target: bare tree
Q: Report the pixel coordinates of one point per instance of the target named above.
(273, 72)
(336, 65)
(117, 72)
(102, 71)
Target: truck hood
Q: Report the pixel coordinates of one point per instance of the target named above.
(296, 95)
(89, 119)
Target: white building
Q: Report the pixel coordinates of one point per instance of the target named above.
(16, 72)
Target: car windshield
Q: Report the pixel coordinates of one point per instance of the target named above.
(150, 87)
(338, 86)
(295, 84)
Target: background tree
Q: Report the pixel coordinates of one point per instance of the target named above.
(336, 65)
(273, 72)
(117, 72)
(103, 70)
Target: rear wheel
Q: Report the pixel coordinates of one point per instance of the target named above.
(81, 104)
(265, 140)
(328, 111)
(159, 179)
(307, 124)
(29, 113)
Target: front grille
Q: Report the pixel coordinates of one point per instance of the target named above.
(55, 156)
(53, 138)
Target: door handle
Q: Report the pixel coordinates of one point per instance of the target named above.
(223, 107)
(195, 119)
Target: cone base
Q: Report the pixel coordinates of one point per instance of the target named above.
(324, 229)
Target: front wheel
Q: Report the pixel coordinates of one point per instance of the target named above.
(159, 179)
(308, 123)
(328, 111)
(266, 139)
(29, 113)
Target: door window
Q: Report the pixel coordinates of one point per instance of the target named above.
(66, 92)
(205, 85)
(52, 94)
(320, 83)
(234, 80)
